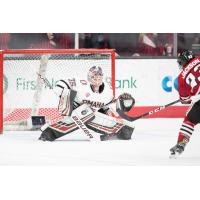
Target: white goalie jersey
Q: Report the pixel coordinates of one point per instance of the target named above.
(84, 95)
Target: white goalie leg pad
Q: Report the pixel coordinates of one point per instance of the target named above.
(62, 126)
(107, 124)
(82, 115)
(77, 120)
(84, 112)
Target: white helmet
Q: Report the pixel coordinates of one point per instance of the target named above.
(93, 73)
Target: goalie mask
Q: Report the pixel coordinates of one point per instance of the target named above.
(95, 76)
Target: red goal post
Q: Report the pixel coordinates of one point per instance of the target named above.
(1, 91)
(20, 96)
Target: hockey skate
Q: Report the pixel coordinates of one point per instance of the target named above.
(178, 148)
(47, 134)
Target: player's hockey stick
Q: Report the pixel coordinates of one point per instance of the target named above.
(131, 119)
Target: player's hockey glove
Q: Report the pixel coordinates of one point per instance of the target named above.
(185, 100)
(125, 102)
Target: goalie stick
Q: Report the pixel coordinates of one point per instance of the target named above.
(131, 119)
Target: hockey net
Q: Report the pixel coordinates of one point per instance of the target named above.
(25, 95)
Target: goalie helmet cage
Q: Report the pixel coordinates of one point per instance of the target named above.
(24, 95)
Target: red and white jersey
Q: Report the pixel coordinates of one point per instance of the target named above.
(86, 95)
(189, 79)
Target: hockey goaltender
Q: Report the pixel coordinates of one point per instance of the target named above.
(89, 105)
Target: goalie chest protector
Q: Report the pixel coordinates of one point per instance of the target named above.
(86, 95)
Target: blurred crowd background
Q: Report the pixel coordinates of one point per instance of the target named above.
(125, 44)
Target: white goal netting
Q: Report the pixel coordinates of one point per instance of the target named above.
(25, 95)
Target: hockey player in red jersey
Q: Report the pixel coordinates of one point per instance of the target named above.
(189, 92)
(90, 99)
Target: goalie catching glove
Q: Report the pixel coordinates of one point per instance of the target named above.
(125, 102)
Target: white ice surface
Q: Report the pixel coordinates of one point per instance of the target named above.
(150, 145)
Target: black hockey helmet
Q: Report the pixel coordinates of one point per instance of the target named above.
(184, 58)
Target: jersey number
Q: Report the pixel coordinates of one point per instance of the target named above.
(191, 79)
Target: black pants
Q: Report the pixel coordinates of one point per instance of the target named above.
(194, 113)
